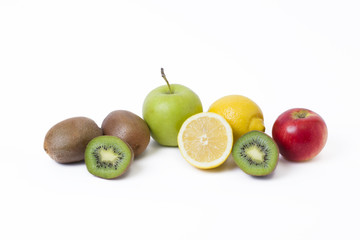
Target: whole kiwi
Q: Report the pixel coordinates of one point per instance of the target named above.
(129, 127)
(66, 141)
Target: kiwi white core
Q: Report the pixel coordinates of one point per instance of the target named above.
(108, 155)
(256, 154)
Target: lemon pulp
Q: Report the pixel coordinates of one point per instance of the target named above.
(205, 140)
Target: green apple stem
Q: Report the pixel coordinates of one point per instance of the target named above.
(164, 77)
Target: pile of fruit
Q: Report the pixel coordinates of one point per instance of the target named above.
(173, 116)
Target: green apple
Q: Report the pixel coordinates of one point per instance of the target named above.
(166, 108)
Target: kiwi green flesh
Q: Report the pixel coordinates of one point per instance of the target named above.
(256, 153)
(108, 157)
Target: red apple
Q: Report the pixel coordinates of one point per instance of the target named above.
(300, 134)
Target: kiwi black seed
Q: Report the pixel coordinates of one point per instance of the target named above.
(66, 141)
(108, 157)
(256, 153)
(129, 127)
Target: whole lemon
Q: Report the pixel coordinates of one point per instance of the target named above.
(242, 114)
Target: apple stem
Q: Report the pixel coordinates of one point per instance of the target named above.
(164, 77)
(301, 114)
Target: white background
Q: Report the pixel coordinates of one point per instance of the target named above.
(60, 59)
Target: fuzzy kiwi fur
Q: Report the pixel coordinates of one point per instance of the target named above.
(129, 127)
(66, 141)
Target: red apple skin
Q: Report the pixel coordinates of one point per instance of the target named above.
(300, 134)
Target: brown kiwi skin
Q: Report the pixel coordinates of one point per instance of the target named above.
(66, 141)
(129, 127)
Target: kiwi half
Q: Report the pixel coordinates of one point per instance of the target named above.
(256, 153)
(108, 157)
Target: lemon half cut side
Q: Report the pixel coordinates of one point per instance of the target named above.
(205, 140)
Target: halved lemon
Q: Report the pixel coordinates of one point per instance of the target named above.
(205, 140)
